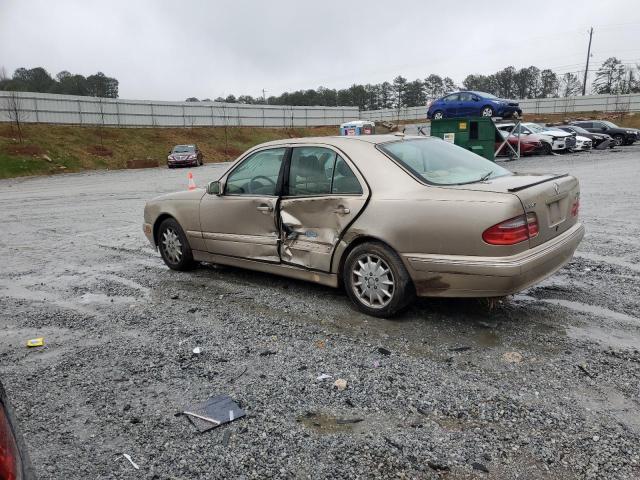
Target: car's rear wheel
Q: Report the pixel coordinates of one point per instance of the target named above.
(487, 111)
(174, 247)
(618, 140)
(376, 280)
(438, 115)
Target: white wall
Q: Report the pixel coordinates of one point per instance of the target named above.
(77, 110)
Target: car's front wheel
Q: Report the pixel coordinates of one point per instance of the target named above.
(547, 149)
(174, 247)
(618, 140)
(487, 111)
(376, 280)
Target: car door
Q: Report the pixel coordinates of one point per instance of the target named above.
(323, 194)
(241, 220)
(450, 105)
(466, 105)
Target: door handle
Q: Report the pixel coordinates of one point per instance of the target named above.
(342, 210)
(265, 208)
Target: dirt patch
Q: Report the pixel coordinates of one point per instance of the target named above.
(142, 163)
(100, 150)
(7, 131)
(23, 149)
(230, 152)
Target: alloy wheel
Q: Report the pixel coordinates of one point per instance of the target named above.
(437, 116)
(171, 245)
(372, 281)
(487, 112)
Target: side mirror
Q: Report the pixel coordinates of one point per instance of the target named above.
(476, 99)
(214, 188)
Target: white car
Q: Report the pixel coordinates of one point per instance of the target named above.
(552, 140)
(582, 143)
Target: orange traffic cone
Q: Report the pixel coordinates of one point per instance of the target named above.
(192, 184)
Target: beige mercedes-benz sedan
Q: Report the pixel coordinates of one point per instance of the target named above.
(388, 217)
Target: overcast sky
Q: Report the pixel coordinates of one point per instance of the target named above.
(170, 50)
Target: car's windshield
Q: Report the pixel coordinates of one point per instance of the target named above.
(610, 125)
(184, 148)
(534, 127)
(577, 129)
(441, 163)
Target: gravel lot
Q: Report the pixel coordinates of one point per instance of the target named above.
(545, 385)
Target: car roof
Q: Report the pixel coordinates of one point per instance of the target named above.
(338, 140)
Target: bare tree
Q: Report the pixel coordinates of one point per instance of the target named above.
(16, 112)
(225, 124)
(101, 120)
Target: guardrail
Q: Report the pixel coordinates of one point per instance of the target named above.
(78, 110)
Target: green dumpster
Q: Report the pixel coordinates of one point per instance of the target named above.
(478, 134)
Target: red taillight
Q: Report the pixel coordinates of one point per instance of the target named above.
(575, 208)
(512, 231)
(9, 456)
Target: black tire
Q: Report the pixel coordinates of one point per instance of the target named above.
(438, 115)
(618, 140)
(398, 295)
(547, 149)
(169, 166)
(487, 111)
(174, 247)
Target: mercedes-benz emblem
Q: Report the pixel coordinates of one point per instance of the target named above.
(556, 187)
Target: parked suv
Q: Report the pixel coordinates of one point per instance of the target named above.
(185, 155)
(600, 140)
(620, 135)
(472, 104)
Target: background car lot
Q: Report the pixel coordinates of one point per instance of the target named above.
(120, 329)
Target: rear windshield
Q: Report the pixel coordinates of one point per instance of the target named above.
(184, 148)
(441, 163)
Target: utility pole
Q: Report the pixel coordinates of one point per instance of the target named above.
(586, 69)
(264, 96)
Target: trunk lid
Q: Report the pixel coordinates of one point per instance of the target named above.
(550, 197)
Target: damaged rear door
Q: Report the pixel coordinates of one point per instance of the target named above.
(323, 194)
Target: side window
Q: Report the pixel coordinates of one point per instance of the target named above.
(257, 174)
(344, 181)
(465, 97)
(452, 98)
(586, 125)
(311, 171)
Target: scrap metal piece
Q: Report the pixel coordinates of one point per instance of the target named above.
(213, 412)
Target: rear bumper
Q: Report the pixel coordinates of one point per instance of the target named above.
(467, 276)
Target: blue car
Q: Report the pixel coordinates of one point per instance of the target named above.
(472, 104)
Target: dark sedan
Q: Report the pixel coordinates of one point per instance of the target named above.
(600, 140)
(620, 135)
(472, 104)
(14, 461)
(185, 155)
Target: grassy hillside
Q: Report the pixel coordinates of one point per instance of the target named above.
(48, 149)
